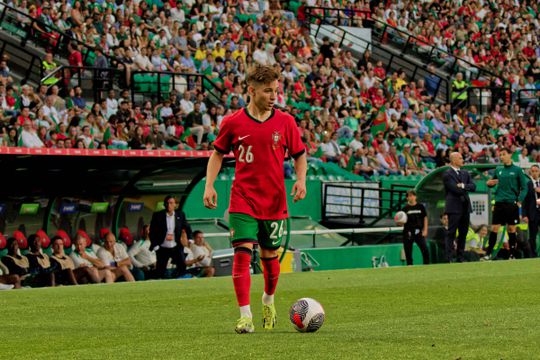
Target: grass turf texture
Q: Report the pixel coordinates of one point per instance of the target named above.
(459, 311)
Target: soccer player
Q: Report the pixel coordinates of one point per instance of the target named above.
(511, 190)
(415, 229)
(260, 136)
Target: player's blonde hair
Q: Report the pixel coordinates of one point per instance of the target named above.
(261, 74)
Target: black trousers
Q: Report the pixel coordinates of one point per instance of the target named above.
(533, 231)
(164, 254)
(460, 223)
(409, 238)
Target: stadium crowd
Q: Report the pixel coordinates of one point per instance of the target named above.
(37, 260)
(349, 111)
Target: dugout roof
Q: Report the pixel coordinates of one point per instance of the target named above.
(72, 172)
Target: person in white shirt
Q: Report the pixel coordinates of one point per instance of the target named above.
(142, 258)
(85, 258)
(186, 104)
(115, 256)
(356, 143)
(29, 137)
(199, 256)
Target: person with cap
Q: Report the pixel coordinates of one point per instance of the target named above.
(457, 185)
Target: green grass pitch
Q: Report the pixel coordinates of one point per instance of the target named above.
(459, 311)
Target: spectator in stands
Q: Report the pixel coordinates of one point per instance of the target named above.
(116, 258)
(65, 268)
(89, 268)
(199, 256)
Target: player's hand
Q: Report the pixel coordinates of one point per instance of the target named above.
(492, 182)
(298, 191)
(210, 197)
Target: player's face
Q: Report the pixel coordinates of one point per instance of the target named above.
(264, 95)
(535, 172)
(506, 158)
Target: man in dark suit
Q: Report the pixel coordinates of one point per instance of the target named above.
(457, 184)
(169, 233)
(531, 207)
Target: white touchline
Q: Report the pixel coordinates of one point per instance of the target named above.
(240, 138)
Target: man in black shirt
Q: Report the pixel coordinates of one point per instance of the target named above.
(415, 229)
(326, 49)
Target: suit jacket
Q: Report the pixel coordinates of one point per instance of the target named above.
(457, 197)
(529, 208)
(158, 228)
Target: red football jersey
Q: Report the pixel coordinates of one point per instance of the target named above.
(259, 148)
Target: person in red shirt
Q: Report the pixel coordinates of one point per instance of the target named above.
(260, 137)
(75, 57)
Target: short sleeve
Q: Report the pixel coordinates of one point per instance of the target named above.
(294, 142)
(223, 141)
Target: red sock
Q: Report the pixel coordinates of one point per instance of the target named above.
(271, 274)
(241, 276)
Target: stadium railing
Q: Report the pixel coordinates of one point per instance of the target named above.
(22, 62)
(158, 85)
(93, 81)
(485, 97)
(404, 41)
(364, 203)
(392, 60)
(529, 98)
(23, 27)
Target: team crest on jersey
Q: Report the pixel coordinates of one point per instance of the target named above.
(276, 138)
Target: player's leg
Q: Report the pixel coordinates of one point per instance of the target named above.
(270, 237)
(421, 242)
(533, 232)
(497, 220)
(512, 240)
(463, 228)
(453, 224)
(512, 221)
(243, 234)
(407, 247)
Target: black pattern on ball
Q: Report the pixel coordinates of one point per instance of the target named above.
(315, 323)
(300, 308)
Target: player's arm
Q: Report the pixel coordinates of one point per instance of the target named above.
(212, 170)
(523, 187)
(425, 228)
(493, 181)
(470, 185)
(299, 187)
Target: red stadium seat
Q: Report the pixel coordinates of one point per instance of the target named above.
(21, 239)
(45, 240)
(65, 237)
(103, 232)
(125, 236)
(3, 242)
(85, 235)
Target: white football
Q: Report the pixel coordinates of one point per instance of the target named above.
(307, 315)
(401, 217)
